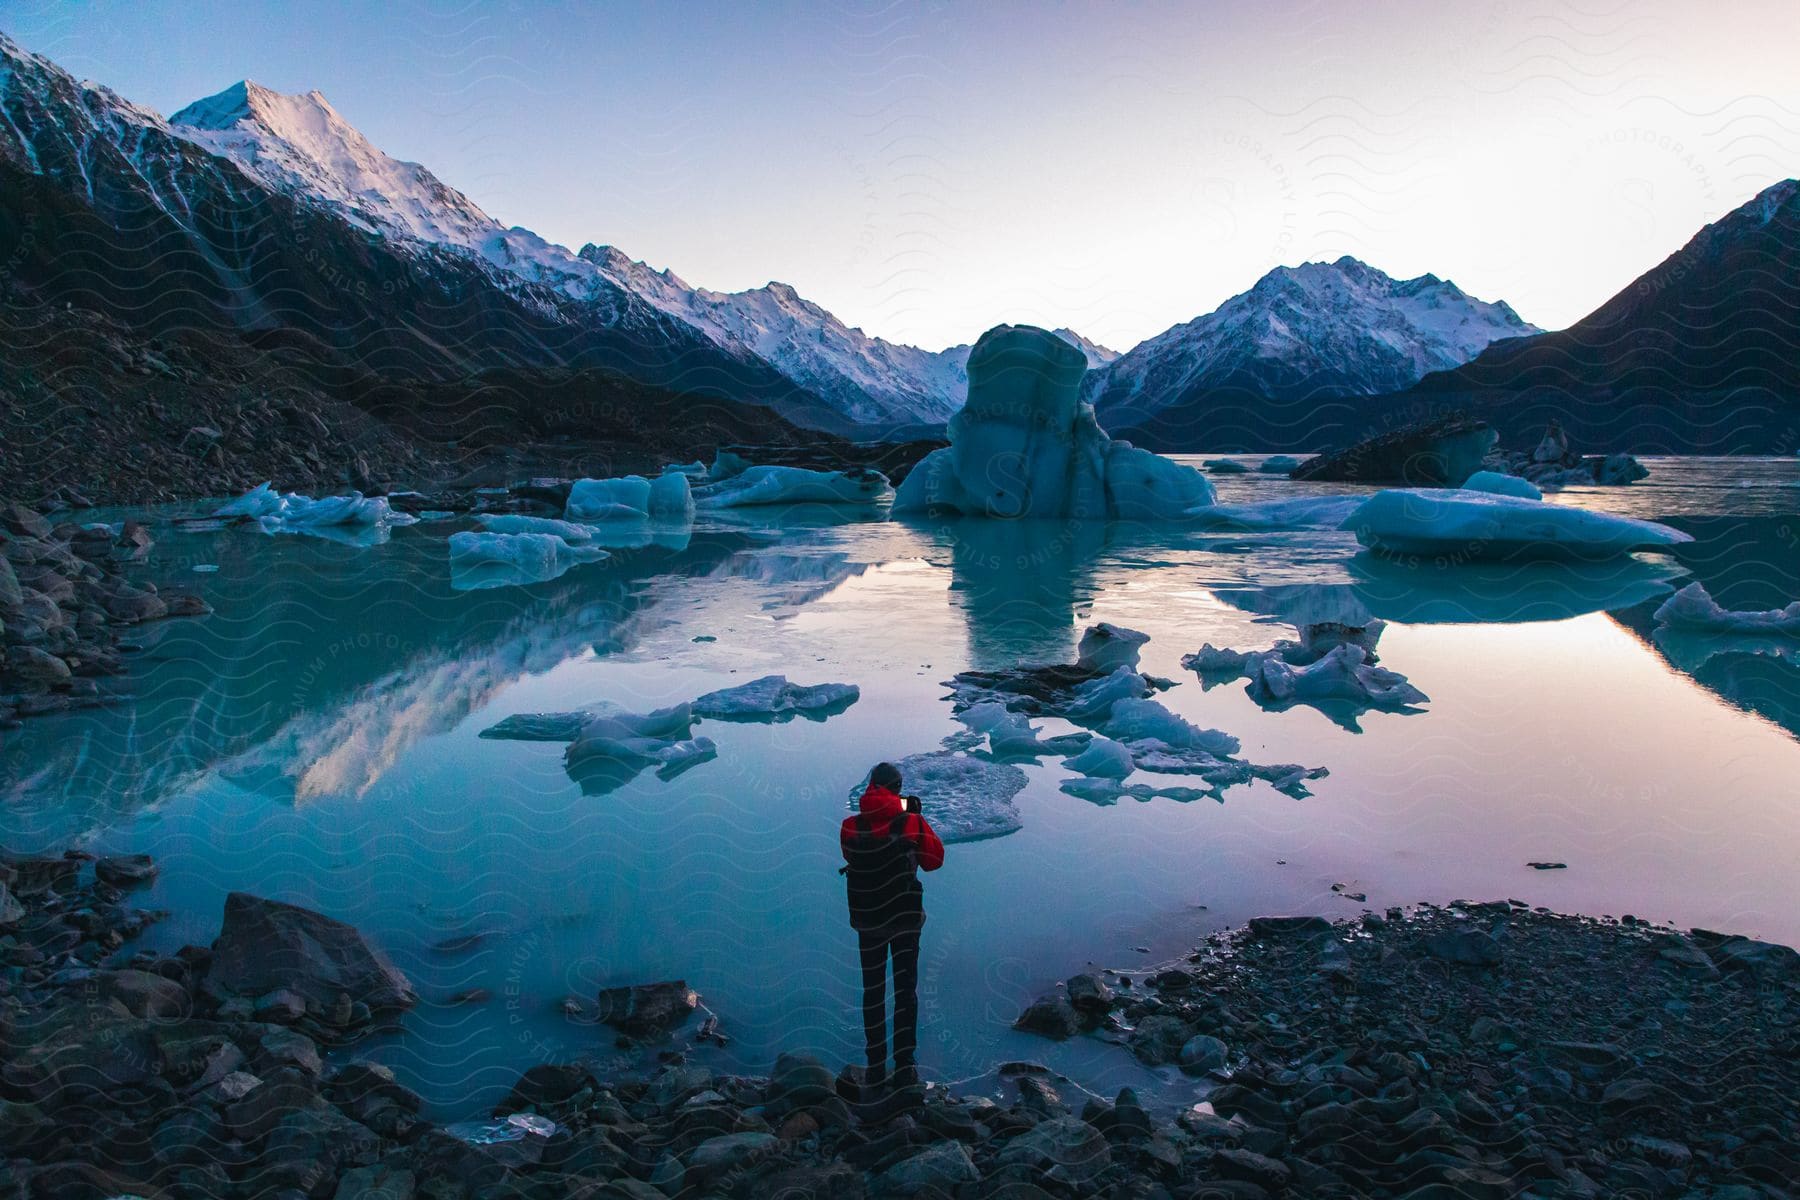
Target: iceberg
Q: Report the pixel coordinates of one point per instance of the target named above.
(1025, 444)
(1294, 512)
(613, 748)
(1693, 610)
(1011, 735)
(1103, 758)
(290, 512)
(1111, 791)
(568, 531)
(964, 798)
(1106, 647)
(1225, 466)
(1454, 525)
(1343, 673)
(630, 498)
(1496, 484)
(1278, 464)
(488, 560)
(773, 698)
(793, 485)
(1149, 720)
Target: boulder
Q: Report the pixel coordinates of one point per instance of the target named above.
(35, 668)
(1089, 995)
(125, 870)
(937, 1170)
(1470, 947)
(1065, 1149)
(1438, 453)
(144, 994)
(1159, 1039)
(1050, 1015)
(647, 1009)
(799, 1081)
(11, 911)
(1289, 927)
(1202, 1053)
(267, 946)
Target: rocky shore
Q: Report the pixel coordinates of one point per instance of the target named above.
(65, 607)
(1473, 1051)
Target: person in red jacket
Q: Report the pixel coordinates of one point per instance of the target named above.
(884, 847)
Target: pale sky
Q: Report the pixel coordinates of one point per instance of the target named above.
(927, 170)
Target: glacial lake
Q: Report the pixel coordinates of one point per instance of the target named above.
(316, 740)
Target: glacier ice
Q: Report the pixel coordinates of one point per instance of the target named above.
(1103, 758)
(1098, 790)
(1497, 484)
(1012, 735)
(1024, 444)
(1278, 464)
(291, 512)
(1454, 525)
(612, 748)
(1342, 673)
(488, 560)
(773, 698)
(569, 531)
(1106, 647)
(1693, 610)
(1150, 720)
(1225, 466)
(964, 798)
(630, 498)
(1294, 512)
(794, 485)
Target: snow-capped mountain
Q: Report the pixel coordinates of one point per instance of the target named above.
(1311, 332)
(301, 147)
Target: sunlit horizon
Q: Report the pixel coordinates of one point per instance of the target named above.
(925, 173)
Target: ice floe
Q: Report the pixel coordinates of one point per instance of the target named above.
(630, 498)
(1455, 525)
(1103, 758)
(1693, 610)
(353, 518)
(966, 799)
(754, 486)
(569, 531)
(1496, 484)
(1278, 464)
(773, 698)
(1225, 466)
(488, 560)
(1025, 444)
(1294, 512)
(1106, 647)
(611, 749)
(1012, 735)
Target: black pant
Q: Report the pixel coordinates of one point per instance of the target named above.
(876, 945)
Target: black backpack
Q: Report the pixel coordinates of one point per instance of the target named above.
(882, 876)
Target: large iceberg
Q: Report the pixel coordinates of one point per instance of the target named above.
(630, 498)
(773, 698)
(1455, 525)
(1693, 610)
(487, 560)
(1025, 444)
(793, 485)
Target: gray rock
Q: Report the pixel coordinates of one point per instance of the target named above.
(1050, 1015)
(11, 911)
(1089, 995)
(647, 1009)
(267, 946)
(124, 870)
(1065, 1149)
(377, 1182)
(145, 995)
(35, 667)
(1202, 1053)
(1289, 927)
(800, 1081)
(1470, 947)
(731, 1150)
(1159, 1039)
(938, 1168)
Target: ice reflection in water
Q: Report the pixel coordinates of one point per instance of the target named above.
(317, 740)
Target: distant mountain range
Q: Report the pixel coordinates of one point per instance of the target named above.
(1254, 372)
(270, 217)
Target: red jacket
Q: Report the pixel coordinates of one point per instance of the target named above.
(883, 806)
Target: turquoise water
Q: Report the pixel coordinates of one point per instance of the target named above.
(316, 740)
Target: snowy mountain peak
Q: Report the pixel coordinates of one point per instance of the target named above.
(1314, 330)
(299, 144)
(1097, 355)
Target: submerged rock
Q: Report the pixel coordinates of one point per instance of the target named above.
(267, 946)
(647, 1009)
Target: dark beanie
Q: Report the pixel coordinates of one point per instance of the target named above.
(886, 775)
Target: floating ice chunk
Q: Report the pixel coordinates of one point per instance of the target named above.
(1213, 660)
(1344, 673)
(773, 698)
(1296, 512)
(520, 1127)
(1132, 720)
(543, 727)
(1107, 647)
(725, 464)
(682, 756)
(1225, 466)
(1111, 791)
(260, 501)
(672, 496)
(1496, 484)
(693, 470)
(612, 748)
(624, 498)
(1693, 610)
(488, 560)
(1099, 698)
(964, 798)
(1278, 464)
(1011, 735)
(568, 531)
(1104, 758)
(1024, 444)
(794, 485)
(1457, 525)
